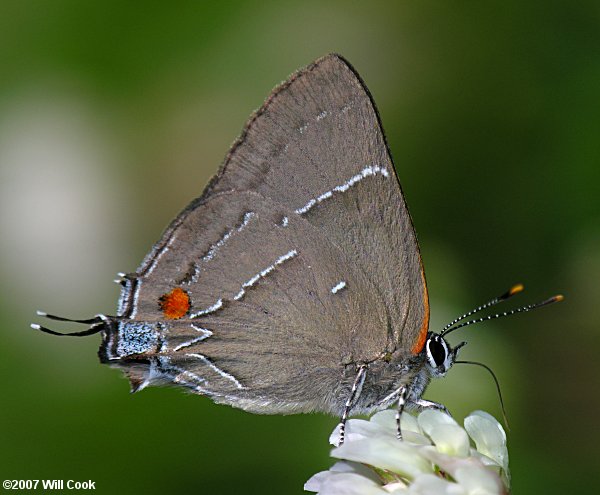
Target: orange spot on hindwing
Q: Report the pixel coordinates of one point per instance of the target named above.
(174, 304)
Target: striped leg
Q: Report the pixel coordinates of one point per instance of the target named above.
(421, 404)
(354, 393)
(401, 403)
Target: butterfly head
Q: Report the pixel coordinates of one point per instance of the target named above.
(440, 356)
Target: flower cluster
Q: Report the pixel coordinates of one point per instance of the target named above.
(437, 456)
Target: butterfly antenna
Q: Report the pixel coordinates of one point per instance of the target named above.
(515, 289)
(489, 370)
(97, 324)
(523, 309)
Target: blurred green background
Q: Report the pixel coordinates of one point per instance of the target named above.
(113, 115)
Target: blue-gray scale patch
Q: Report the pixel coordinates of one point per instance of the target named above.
(136, 338)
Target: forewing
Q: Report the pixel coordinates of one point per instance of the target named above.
(317, 148)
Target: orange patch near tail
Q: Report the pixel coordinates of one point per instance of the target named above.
(174, 304)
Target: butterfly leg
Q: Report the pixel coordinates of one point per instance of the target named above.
(418, 404)
(401, 403)
(356, 387)
(422, 404)
(400, 395)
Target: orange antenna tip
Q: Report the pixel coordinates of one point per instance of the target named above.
(515, 289)
(551, 300)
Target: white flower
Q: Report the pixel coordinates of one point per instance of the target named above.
(437, 456)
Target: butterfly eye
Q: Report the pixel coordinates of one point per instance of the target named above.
(437, 351)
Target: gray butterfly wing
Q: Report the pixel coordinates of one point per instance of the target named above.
(278, 315)
(317, 147)
(316, 158)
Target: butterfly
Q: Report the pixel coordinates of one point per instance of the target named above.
(294, 283)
